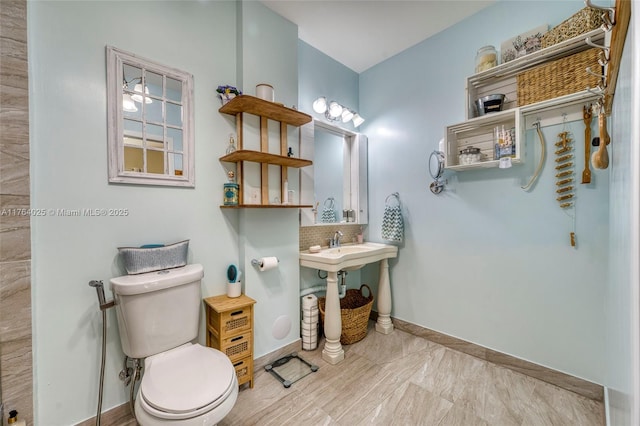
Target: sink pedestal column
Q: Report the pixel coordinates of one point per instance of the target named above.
(384, 324)
(332, 352)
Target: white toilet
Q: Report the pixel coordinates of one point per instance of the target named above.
(183, 383)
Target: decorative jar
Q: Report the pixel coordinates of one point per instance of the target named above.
(486, 58)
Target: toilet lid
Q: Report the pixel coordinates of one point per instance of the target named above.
(186, 378)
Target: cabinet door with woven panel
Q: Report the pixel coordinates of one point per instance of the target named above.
(230, 330)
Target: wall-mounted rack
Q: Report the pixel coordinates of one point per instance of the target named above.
(502, 79)
(266, 111)
(616, 21)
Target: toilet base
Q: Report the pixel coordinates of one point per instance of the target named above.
(210, 418)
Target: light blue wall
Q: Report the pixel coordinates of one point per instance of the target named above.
(69, 170)
(621, 296)
(321, 75)
(484, 261)
(268, 55)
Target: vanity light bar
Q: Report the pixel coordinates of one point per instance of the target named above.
(334, 111)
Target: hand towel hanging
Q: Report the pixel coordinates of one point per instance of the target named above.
(328, 211)
(392, 223)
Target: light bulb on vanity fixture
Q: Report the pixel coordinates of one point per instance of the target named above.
(333, 111)
(357, 120)
(127, 103)
(347, 115)
(138, 95)
(320, 105)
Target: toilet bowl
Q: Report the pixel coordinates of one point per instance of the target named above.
(188, 385)
(183, 383)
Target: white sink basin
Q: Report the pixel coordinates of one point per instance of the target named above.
(347, 257)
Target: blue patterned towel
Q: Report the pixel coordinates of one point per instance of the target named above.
(392, 224)
(329, 212)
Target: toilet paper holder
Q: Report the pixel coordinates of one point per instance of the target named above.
(258, 262)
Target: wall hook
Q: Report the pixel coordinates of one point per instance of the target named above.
(603, 58)
(598, 46)
(610, 12)
(598, 91)
(595, 73)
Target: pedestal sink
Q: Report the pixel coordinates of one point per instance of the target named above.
(345, 258)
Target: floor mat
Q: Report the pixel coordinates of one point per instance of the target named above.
(289, 369)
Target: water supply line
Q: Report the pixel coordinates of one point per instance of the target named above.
(104, 305)
(323, 287)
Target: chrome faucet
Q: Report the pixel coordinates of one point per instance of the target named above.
(336, 238)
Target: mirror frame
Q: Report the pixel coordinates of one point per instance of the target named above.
(116, 59)
(355, 186)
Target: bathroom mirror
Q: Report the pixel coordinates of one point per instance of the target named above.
(337, 181)
(436, 170)
(150, 122)
(436, 164)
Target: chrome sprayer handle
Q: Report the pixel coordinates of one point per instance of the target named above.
(102, 300)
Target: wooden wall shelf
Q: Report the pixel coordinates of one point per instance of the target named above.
(267, 206)
(265, 157)
(262, 108)
(266, 111)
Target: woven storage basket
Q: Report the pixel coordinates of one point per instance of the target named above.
(558, 78)
(583, 21)
(354, 311)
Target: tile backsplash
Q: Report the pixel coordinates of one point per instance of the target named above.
(318, 235)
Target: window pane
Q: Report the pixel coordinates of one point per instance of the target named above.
(176, 166)
(132, 75)
(174, 90)
(153, 112)
(130, 109)
(154, 84)
(132, 128)
(155, 162)
(174, 115)
(174, 140)
(133, 159)
(155, 134)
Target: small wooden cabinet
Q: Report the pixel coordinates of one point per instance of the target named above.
(230, 330)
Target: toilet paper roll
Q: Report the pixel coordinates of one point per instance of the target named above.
(309, 301)
(308, 326)
(310, 317)
(267, 263)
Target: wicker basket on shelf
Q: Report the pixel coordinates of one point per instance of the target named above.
(559, 78)
(354, 311)
(583, 21)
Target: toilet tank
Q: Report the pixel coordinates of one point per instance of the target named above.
(157, 311)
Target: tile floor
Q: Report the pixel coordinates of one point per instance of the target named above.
(401, 379)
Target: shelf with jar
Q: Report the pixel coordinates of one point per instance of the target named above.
(481, 142)
(493, 104)
(502, 78)
(266, 110)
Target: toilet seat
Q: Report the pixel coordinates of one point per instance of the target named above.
(186, 382)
